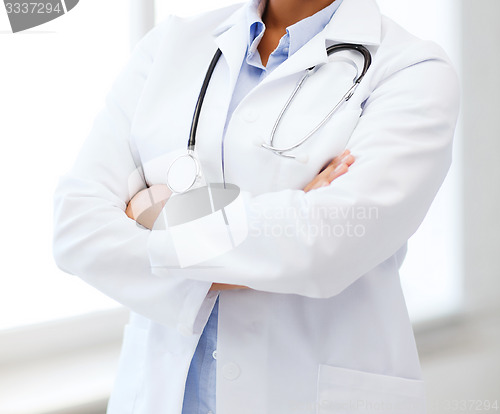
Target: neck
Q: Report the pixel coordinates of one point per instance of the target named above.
(279, 14)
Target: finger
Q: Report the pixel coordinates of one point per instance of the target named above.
(338, 159)
(223, 286)
(344, 158)
(347, 159)
(308, 187)
(317, 184)
(334, 169)
(324, 181)
(335, 161)
(337, 172)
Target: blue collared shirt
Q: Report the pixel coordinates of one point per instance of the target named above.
(199, 397)
(252, 71)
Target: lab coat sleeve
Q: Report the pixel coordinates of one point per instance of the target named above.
(318, 243)
(93, 237)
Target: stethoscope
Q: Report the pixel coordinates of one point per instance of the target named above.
(185, 171)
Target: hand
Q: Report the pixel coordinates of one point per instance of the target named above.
(146, 205)
(337, 167)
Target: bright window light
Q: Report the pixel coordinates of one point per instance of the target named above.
(188, 8)
(432, 272)
(53, 81)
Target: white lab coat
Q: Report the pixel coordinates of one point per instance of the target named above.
(325, 328)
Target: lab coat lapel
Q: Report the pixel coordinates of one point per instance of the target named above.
(356, 21)
(231, 38)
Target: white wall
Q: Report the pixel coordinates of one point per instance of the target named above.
(481, 146)
(461, 362)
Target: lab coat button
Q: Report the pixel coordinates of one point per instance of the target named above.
(214, 354)
(231, 371)
(250, 115)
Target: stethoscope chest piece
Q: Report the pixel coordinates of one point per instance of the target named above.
(183, 173)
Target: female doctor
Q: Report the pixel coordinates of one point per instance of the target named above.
(306, 315)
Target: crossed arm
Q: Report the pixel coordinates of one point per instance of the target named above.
(141, 209)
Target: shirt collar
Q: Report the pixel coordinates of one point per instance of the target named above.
(356, 21)
(255, 24)
(298, 34)
(301, 32)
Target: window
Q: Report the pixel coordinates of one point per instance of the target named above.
(53, 80)
(188, 8)
(431, 274)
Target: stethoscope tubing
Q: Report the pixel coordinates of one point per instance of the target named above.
(201, 97)
(279, 151)
(331, 49)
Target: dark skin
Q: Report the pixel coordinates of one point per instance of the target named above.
(278, 15)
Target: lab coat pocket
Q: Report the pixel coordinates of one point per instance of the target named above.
(342, 391)
(130, 374)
